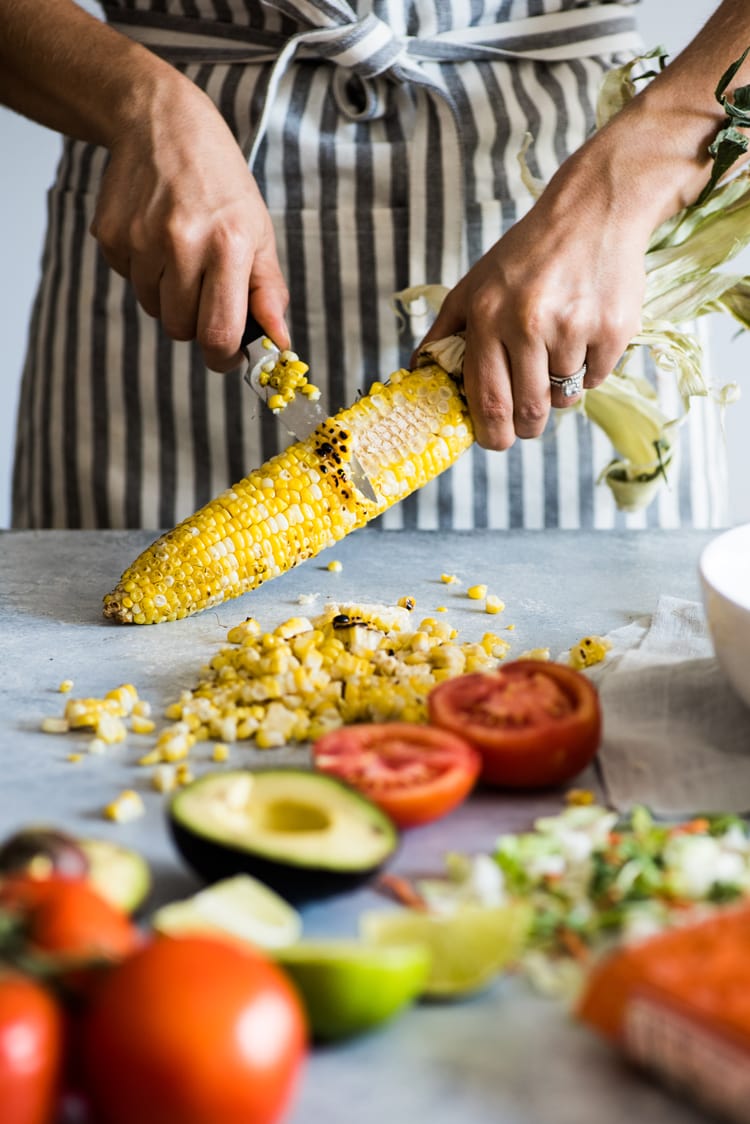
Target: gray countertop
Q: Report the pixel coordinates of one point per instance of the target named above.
(506, 1057)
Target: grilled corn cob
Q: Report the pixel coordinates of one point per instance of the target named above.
(404, 432)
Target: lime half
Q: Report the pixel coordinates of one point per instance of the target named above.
(240, 907)
(468, 948)
(349, 987)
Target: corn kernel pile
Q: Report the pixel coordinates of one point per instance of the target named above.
(353, 663)
(109, 718)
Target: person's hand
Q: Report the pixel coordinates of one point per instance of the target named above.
(181, 217)
(563, 287)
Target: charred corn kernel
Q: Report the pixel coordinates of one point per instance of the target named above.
(65, 686)
(407, 603)
(126, 807)
(141, 725)
(164, 778)
(74, 758)
(220, 752)
(476, 592)
(301, 502)
(493, 604)
(334, 566)
(295, 626)
(54, 725)
(588, 651)
(448, 579)
(287, 377)
(248, 629)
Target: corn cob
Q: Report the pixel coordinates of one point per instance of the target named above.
(404, 431)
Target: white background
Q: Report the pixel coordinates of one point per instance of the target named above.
(28, 154)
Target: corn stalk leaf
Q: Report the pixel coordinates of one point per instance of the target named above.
(734, 300)
(619, 84)
(729, 144)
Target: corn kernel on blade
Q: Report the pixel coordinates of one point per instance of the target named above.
(300, 416)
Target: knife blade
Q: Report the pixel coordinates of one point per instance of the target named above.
(300, 416)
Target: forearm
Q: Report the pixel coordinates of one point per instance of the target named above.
(63, 68)
(652, 159)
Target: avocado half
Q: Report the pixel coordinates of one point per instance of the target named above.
(305, 834)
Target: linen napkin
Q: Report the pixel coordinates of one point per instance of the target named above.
(676, 737)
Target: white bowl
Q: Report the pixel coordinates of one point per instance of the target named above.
(724, 569)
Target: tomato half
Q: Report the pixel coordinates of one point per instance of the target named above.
(193, 1030)
(536, 723)
(31, 1051)
(414, 773)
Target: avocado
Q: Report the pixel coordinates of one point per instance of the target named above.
(120, 875)
(305, 834)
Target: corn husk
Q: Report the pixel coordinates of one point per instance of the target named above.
(684, 281)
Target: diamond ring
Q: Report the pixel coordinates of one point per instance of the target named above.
(569, 385)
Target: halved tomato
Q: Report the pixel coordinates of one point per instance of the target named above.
(535, 723)
(414, 773)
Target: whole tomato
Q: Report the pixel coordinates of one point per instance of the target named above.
(193, 1030)
(31, 1051)
(67, 917)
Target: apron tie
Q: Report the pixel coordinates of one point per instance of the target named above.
(365, 49)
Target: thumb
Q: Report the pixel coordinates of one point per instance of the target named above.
(449, 320)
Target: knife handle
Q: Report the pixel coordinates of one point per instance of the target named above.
(252, 330)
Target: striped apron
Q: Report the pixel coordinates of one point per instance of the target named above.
(384, 136)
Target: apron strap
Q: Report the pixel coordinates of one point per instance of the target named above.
(365, 48)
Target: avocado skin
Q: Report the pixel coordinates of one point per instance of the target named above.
(213, 859)
(297, 884)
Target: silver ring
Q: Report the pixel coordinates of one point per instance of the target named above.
(569, 385)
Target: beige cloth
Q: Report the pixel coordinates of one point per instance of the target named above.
(676, 737)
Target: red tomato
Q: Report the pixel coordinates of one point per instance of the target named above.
(31, 1036)
(67, 917)
(535, 723)
(414, 773)
(193, 1030)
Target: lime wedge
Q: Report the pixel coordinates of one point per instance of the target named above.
(240, 907)
(348, 986)
(468, 947)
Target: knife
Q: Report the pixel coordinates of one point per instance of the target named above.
(300, 416)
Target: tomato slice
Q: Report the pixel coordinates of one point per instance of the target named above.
(535, 723)
(414, 773)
